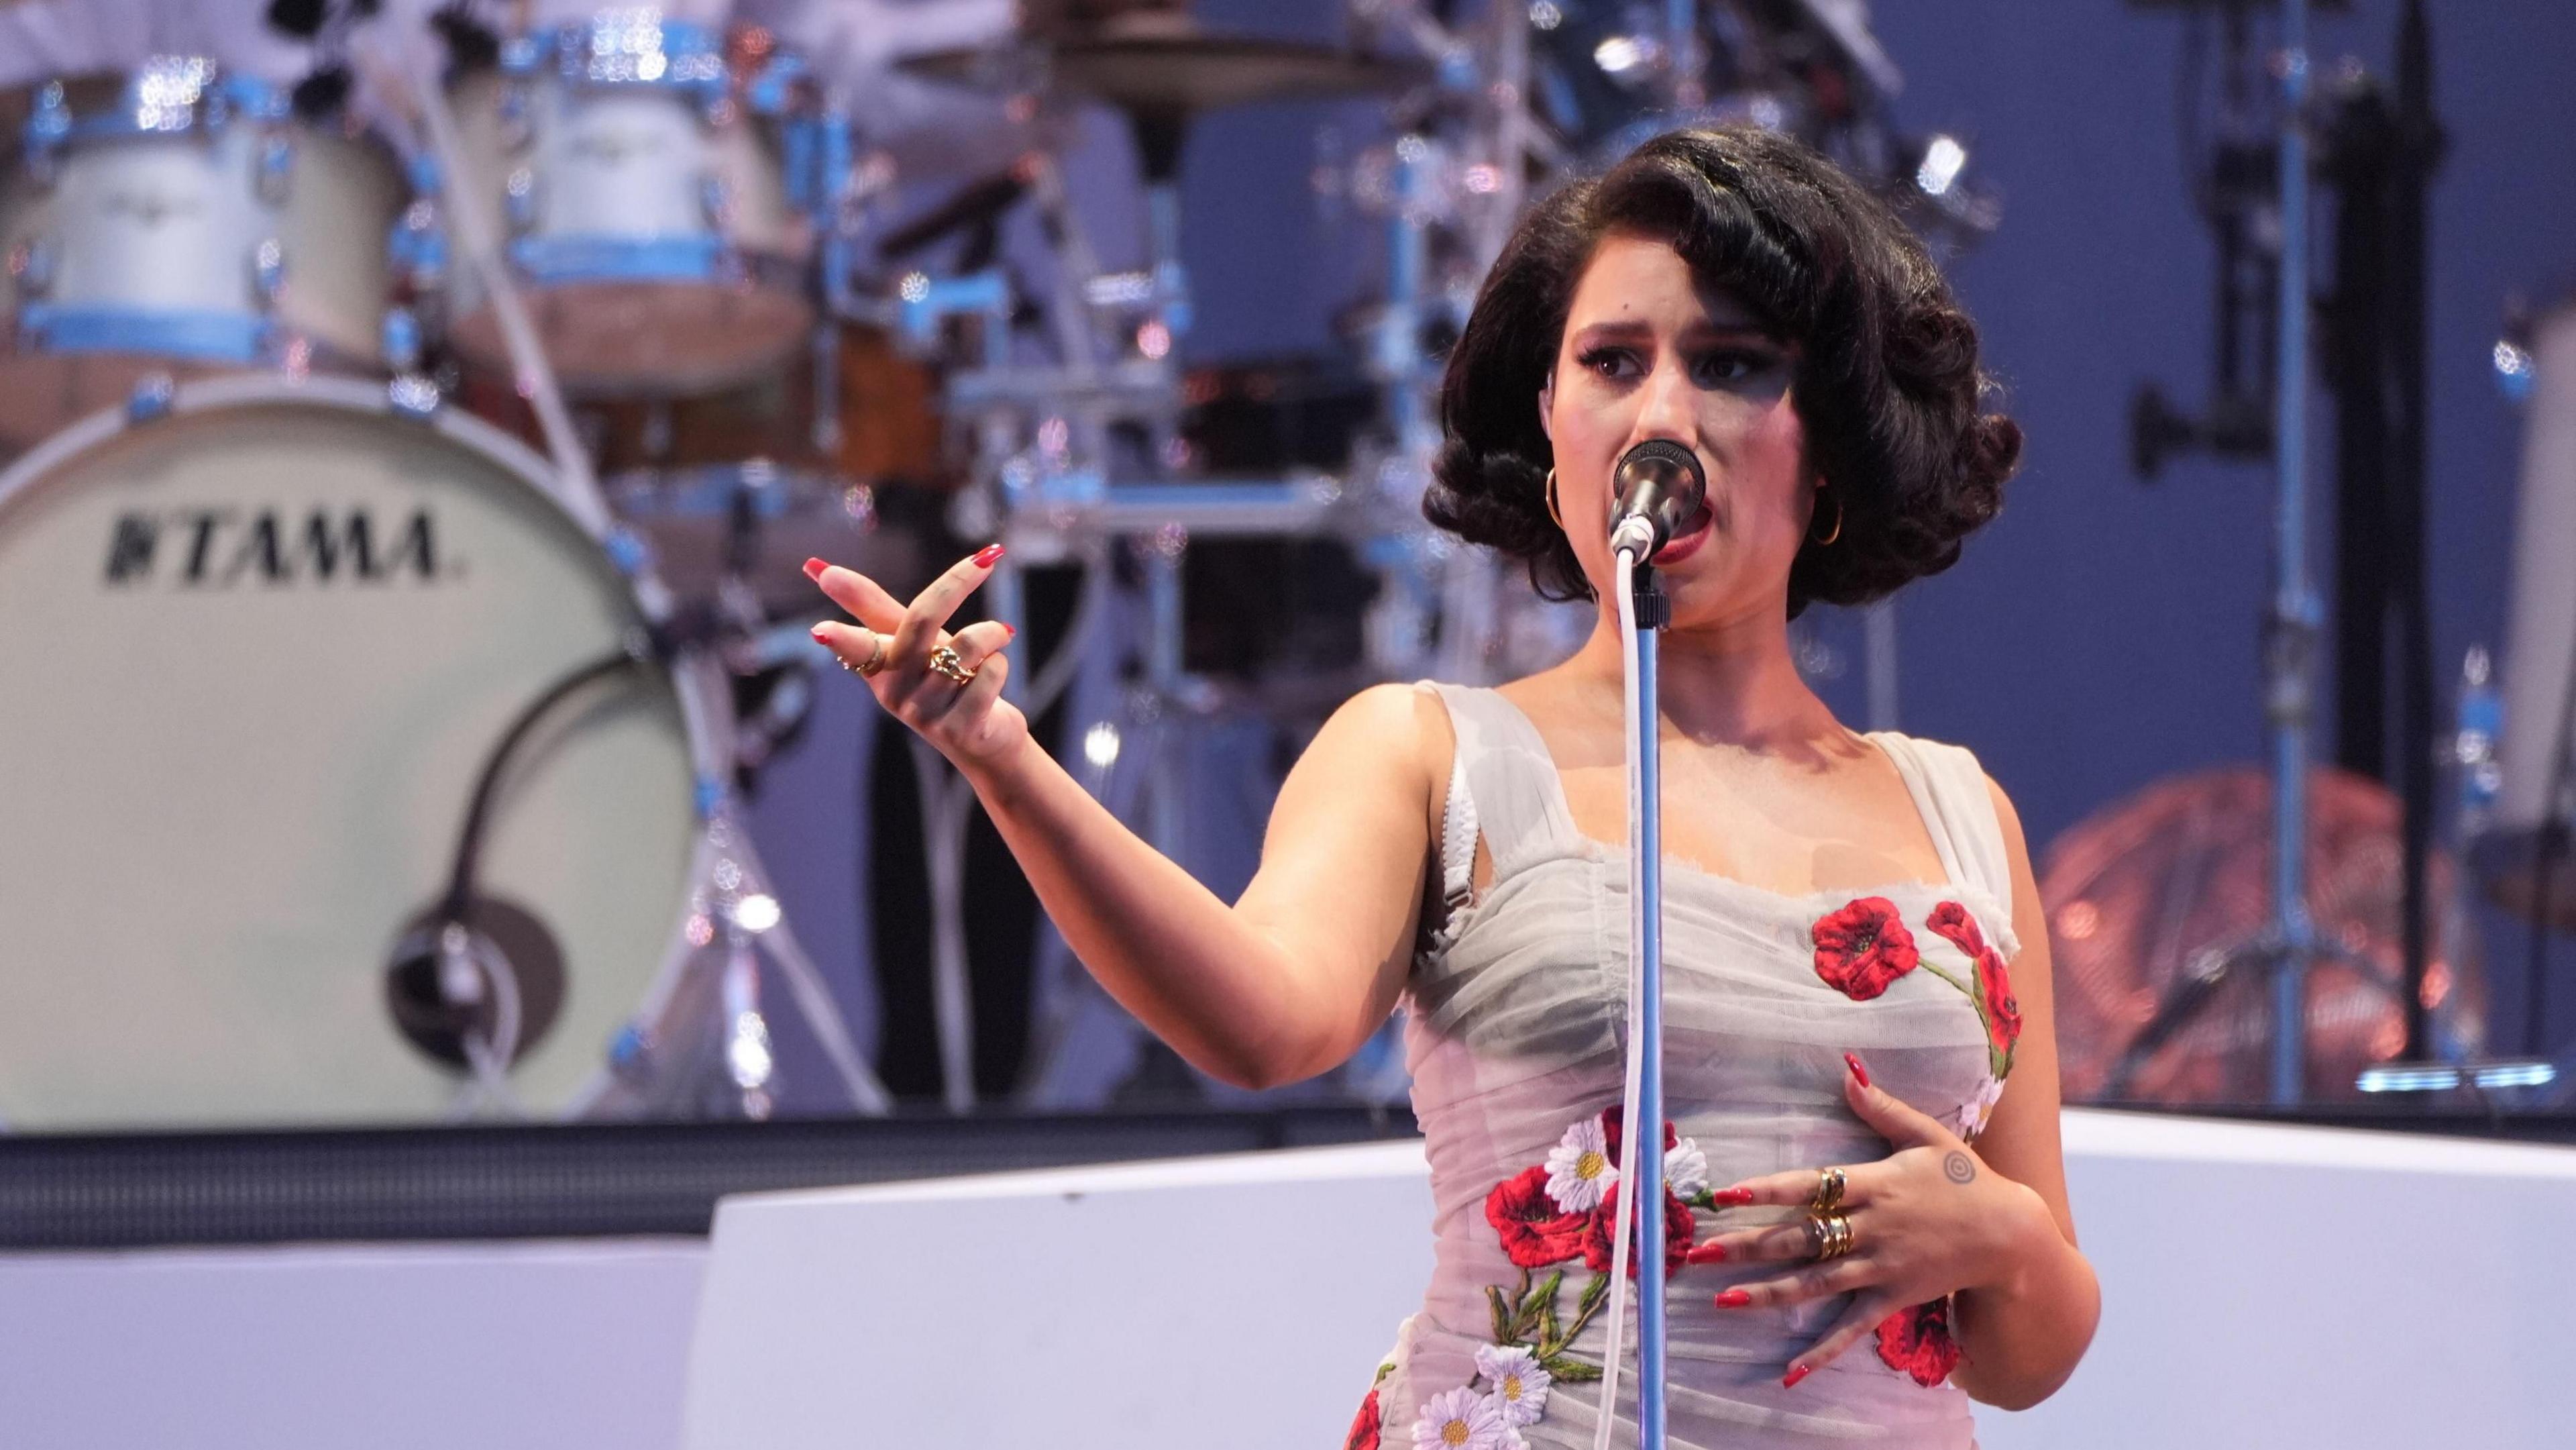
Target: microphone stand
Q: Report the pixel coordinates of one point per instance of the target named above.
(1643, 610)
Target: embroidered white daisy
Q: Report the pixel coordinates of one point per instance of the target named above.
(1686, 1169)
(1579, 1170)
(1459, 1420)
(1974, 1113)
(1514, 1382)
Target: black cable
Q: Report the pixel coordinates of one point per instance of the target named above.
(469, 845)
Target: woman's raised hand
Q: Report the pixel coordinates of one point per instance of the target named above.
(947, 687)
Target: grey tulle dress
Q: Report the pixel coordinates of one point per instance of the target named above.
(1515, 1036)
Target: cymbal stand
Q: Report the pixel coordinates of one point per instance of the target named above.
(2289, 941)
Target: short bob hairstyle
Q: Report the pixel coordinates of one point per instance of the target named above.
(1886, 383)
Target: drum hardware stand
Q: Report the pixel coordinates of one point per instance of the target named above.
(2290, 941)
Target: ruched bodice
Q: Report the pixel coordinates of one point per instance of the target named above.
(1516, 1021)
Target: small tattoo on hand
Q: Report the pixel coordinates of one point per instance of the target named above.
(1959, 1167)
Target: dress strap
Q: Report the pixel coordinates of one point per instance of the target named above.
(1949, 788)
(1503, 786)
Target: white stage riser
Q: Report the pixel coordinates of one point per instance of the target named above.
(2263, 1286)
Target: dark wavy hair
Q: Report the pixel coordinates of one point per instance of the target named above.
(1887, 385)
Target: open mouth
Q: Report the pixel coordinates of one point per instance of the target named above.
(1687, 542)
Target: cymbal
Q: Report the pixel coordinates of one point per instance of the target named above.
(1174, 68)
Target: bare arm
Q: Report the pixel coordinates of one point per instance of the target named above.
(1282, 985)
(2020, 1339)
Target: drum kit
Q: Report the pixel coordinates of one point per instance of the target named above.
(407, 497)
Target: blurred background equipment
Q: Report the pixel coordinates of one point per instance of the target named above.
(151, 226)
(2151, 900)
(879, 283)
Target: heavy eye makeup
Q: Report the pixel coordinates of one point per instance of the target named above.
(1710, 367)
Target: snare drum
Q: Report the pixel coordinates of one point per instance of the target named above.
(258, 652)
(178, 220)
(640, 166)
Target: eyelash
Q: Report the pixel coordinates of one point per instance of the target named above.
(1591, 359)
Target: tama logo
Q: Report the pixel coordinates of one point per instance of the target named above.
(219, 548)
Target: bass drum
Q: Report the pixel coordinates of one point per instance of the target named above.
(257, 651)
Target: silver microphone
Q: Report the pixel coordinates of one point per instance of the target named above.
(1660, 486)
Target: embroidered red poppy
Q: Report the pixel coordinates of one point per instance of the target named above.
(1994, 994)
(1534, 1231)
(1954, 924)
(1863, 947)
(1918, 1341)
(1363, 1434)
(1678, 1228)
(2003, 1011)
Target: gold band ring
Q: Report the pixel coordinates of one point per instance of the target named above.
(875, 662)
(1830, 1234)
(1830, 1183)
(945, 663)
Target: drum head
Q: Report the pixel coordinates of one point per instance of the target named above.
(253, 656)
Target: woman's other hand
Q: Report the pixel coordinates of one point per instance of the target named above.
(1927, 1220)
(913, 664)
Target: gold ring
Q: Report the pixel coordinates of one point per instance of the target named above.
(1830, 1183)
(945, 664)
(875, 661)
(1830, 1234)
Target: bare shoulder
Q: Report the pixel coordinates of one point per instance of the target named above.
(1393, 734)
(2009, 819)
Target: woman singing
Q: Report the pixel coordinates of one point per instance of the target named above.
(1866, 1202)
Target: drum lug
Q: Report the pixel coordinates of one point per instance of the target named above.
(521, 54)
(48, 126)
(401, 340)
(151, 398)
(520, 200)
(268, 272)
(629, 552)
(716, 200)
(276, 168)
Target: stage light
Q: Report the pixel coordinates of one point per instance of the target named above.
(2513, 369)
(1622, 53)
(1100, 745)
(1943, 157)
(757, 912)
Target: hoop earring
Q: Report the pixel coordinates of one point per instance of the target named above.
(1551, 499)
(1838, 526)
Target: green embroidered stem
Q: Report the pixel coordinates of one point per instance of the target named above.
(1572, 1371)
(1538, 1308)
(1953, 981)
(1595, 1294)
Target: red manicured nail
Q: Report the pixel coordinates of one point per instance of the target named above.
(1857, 1070)
(1796, 1373)
(814, 568)
(1009, 633)
(819, 636)
(1711, 1252)
(1733, 1299)
(985, 556)
(1733, 1195)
